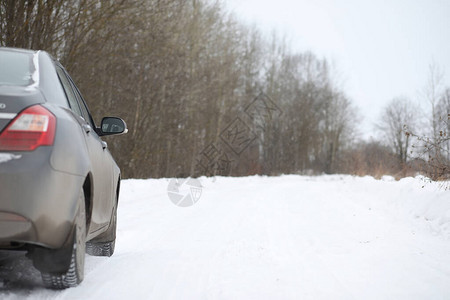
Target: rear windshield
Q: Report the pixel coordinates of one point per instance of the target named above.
(16, 68)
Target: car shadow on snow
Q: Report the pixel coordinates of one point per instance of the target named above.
(17, 274)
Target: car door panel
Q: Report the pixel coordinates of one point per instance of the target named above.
(101, 203)
(102, 171)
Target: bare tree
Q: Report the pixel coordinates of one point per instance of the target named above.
(444, 121)
(399, 119)
(432, 92)
(434, 142)
(337, 128)
(435, 150)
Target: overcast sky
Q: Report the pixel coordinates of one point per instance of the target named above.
(382, 49)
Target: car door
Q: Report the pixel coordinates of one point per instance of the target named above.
(101, 171)
(103, 207)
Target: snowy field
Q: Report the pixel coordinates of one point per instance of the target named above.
(288, 237)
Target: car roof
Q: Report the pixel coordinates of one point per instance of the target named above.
(18, 50)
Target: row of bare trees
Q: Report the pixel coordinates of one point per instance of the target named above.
(202, 93)
(418, 132)
(194, 85)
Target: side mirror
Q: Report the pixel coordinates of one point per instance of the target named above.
(113, 125)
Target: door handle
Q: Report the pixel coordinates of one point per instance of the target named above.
(104, 145)
(87, 128)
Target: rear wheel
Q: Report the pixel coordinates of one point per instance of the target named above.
(74, 275)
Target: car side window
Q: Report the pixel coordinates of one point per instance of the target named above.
(73, 103)
(82, 103)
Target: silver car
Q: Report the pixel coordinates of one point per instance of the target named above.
(59, 185)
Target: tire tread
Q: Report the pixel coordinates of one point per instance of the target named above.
(100, 248)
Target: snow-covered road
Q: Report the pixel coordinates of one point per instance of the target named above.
(288, 237)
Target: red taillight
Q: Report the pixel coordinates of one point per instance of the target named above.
(33, 127)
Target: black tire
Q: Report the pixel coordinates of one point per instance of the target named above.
(75, 273)
(100, 248)
(105, 244)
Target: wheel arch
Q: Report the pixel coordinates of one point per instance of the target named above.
(88, 189)
(118, 188)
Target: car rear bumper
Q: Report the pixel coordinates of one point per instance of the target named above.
(15, 227)
(37, 203)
